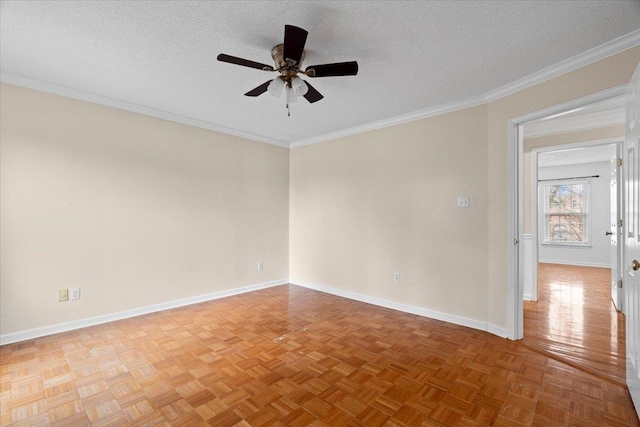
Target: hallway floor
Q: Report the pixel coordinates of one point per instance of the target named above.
(575, 320)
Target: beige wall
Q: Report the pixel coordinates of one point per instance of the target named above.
(553, 140)
(138, 211)
(132, 209)
(366, 206)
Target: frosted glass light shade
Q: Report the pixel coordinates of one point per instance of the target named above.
(299, 86)
(276, 86)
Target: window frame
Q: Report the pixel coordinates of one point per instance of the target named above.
(543, 228)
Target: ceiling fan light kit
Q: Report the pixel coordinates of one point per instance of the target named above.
(288, 58)
(275, 86)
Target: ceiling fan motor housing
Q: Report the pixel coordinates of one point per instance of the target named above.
(277, 53)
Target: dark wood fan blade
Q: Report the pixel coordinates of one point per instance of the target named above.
(294, 40)
(244, 62)
(259, 90)
(332, 70)
(312, 94)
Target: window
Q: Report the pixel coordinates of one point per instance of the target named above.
(565, 220)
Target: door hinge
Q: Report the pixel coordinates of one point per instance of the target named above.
(516, 241)
(620, 284)
(619, 162)
(619, 223)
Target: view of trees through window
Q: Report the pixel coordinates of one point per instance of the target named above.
(565, 213)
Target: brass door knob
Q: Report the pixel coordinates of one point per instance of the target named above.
(635, 265)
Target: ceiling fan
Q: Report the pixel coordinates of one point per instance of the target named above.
(288, 58)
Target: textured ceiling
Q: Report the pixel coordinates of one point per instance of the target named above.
(412, 55)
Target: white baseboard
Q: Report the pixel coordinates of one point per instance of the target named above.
(91, 321)
(446, 317)
(497, 330)
(576, 263)
(527, 297)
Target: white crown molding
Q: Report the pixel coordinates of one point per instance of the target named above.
(610, 48)
(600, 52)
(393, 121)
(92, 321)
(573, 124)
(605, 50)
(431, 314)
(134, 108)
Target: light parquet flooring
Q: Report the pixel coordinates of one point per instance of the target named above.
(575, 320)
(295, 357)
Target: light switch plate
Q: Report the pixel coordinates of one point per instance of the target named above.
(463, 202)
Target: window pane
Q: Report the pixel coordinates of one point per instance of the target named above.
(565, 213)
(566, 228)
(565, 198)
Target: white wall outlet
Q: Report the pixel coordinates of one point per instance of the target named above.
(396, 277)
(463, 202)
(260, 266)
(74, 294)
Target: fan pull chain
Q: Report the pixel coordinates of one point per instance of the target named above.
(288, 101)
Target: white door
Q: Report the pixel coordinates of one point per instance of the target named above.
(616, 232)
(632, 238)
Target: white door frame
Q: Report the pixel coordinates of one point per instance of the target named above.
(515, 203)
(535, 199)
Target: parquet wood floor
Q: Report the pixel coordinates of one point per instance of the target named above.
(289, 356)
(575, 320)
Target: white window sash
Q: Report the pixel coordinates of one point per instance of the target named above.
(545, 230)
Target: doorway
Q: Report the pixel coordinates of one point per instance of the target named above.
(573, 204)
(571, 257)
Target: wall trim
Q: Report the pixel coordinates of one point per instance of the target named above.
(573, 124)
(111, 317)
(590, 56)
(431, 314)
(497, 330)
(98, 320)
(134, 108)
(576, 263)
(528, 271)
(394, 121)
(610, 48)
(605, 50)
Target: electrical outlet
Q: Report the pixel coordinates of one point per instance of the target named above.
(74, 294)
(396, 277)
(463, 202)
(260, 266)
(63, 295)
